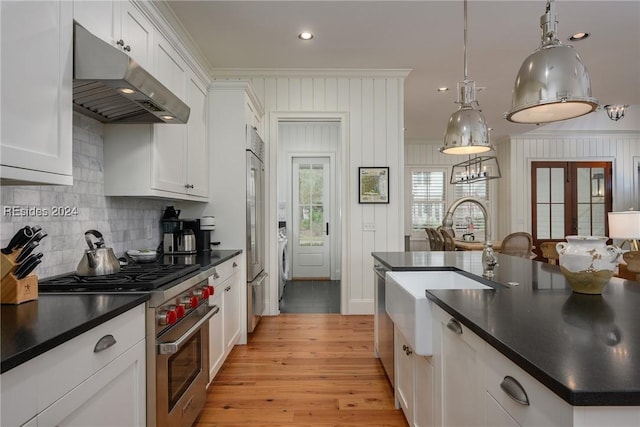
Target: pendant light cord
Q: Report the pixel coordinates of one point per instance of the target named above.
(465, 41)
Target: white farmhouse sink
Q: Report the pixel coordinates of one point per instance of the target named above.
(409, 308)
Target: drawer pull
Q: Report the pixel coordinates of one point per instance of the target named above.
(514, 390)
(235, 264)
(454, 325)
(104, 343)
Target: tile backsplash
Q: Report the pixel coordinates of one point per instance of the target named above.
(125, 222)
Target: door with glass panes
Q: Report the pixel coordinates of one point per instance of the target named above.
(311, 213)
(569, 198)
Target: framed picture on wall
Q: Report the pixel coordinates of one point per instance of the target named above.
(373, 185)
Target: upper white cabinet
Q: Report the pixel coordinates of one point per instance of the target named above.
(100, 17)
(119, 23)
(161, 160)
(36, 69)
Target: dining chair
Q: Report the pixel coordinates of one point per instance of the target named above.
(431, 238)
(517, 244)
(449, 243)
(549, 252)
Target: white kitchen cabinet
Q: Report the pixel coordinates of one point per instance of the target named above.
(114, 396)
(73, 383)
(99, 17)
(404, 375)
(216, 336)
(542, 407)
(161, 160)
(36, 98)
(232, 313)
(459, 361)
(224, 328)
(414, 385)
(497, 416)
(121, 24)
(169, 67)
(424, 392)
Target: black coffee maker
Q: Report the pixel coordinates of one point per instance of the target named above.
(202, 228)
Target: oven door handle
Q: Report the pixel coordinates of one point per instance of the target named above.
(173, 347)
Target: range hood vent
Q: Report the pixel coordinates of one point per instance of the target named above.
(111, 87)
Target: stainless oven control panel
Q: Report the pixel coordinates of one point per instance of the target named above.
(172, 311)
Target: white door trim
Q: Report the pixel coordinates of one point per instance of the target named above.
(342, 212)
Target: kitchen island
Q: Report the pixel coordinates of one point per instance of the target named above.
(584, 348)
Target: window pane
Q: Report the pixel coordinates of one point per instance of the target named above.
(427, 199)
(543, 213)
(557, 221)
(557, 185)
(584, 219)
(598, 213)
(584, 185)
(542, 185)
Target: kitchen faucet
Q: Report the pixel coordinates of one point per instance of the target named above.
(489, 260)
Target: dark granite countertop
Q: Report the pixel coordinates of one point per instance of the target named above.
(34, 327)
(585, 348)
(206, 260)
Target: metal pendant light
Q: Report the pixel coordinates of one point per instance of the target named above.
(553, 83)
(467, 131)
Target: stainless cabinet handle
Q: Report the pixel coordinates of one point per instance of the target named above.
(127, 48)
(120, 42)
(227, 289)
(514, 390)
(104, 343)
(454, 325)
(235, 264)
(408, 351)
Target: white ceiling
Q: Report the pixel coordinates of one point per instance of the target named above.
(426, 37)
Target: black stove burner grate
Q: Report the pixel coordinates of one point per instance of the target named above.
(132, 278)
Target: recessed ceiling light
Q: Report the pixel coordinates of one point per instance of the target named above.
(167, 117)
(443, 89)
(126, 90)
(305, 35)
(579, 36)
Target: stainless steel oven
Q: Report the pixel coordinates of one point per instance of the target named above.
(182, 368)
(181, 355)
(383, 325)
(177, 331)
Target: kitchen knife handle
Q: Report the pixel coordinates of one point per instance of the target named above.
(26, 251)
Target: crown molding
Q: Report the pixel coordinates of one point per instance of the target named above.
(309, 72)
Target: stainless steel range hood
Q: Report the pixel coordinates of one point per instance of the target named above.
(113, 88)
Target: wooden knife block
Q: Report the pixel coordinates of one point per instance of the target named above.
(14, 291)
(8, 262)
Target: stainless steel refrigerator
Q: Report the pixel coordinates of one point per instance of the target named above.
(256, 275)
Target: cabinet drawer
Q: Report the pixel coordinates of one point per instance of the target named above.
(545, 407)
(67, 365)
(225, 270)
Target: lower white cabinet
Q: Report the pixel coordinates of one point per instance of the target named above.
(224, 328)
(459, 357)
(114, 396)
(76, 385)
(414, 384)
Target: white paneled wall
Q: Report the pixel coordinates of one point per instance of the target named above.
(372, 104)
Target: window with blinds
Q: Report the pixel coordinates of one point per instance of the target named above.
(427, 199)
(468, 217)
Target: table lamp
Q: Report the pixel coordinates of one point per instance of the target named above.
(626, 225)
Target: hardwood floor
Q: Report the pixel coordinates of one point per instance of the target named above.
(303, 370)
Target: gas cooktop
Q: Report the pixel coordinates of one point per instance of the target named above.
(131, 278)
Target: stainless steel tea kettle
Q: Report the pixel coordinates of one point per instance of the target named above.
(98, 260)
